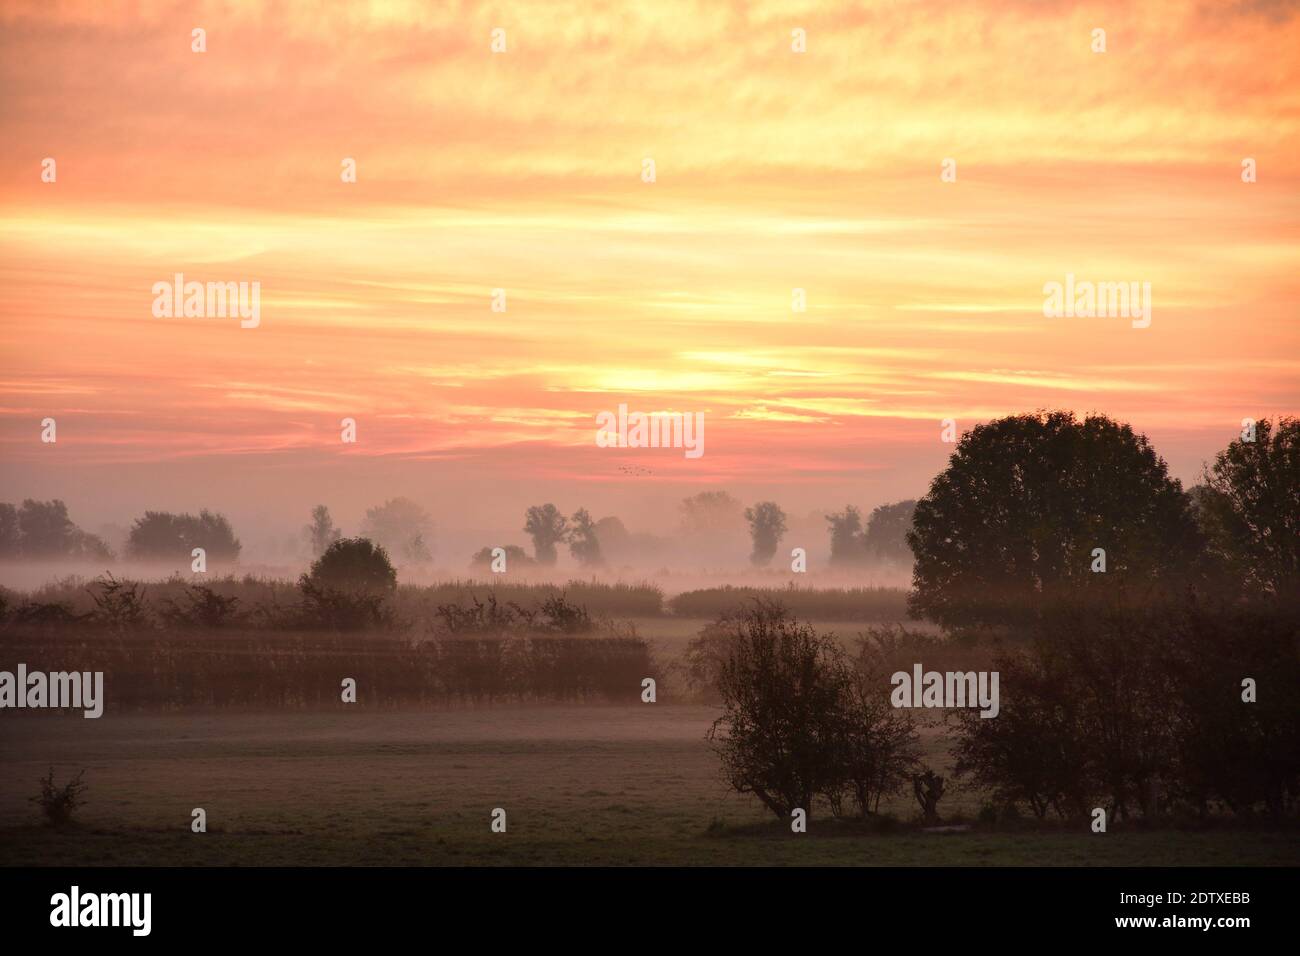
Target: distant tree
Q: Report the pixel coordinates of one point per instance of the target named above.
(402, 527)
(161, 535)
(321, 532)
(846, 536)
(41, 530)
(46, 530)
(548, 528)
(766, 527)
(347, 585)
(709, 512)
(355, 565)
(516, 558)
(887, 529)
(613, 536)
(1021, 507)
(1250, 506)
(10, 534)
(583, 542)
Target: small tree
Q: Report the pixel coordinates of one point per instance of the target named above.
(709, 512)
(321, 532)
(846, 536)
(766, 528)
(782, 688)
(547, 527)
(348, 584)
(583, 543)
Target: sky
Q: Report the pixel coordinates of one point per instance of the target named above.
(523, 170)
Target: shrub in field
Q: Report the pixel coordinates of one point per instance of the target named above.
(478, 617)
(58, 804)
(348, 585)
(879, 751)
(200, 606)
(119, 605)
(796, 723)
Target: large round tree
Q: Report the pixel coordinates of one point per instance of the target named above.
(1016, 517)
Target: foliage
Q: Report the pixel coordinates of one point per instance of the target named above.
(1025, 500)
(766, 528)
(163, 536)
(548, 528)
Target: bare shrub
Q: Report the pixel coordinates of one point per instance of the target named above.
(58, 804)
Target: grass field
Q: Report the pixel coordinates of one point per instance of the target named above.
(580, 785)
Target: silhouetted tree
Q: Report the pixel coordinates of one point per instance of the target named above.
(355, 565)
(1250, 506)
(846, 536)
(348, 584)
(41, 530)
(321, 532)
(615, 541)
(402, 528)
(583, 543)
(709, 512)
(1023, 503)
(766, 527)
(782, 686)
(548, 528)
(46, 530)
(161, 535)
(887, 529)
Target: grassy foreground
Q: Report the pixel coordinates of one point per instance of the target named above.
(580, 785)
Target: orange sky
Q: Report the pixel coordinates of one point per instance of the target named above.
(522, 171)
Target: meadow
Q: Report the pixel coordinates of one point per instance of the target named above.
(594, 783)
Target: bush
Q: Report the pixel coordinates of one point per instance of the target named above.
(119, 605)
(60, 803)
(1140, 709)
(797, 722)
(348, 585)
(203, 607)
